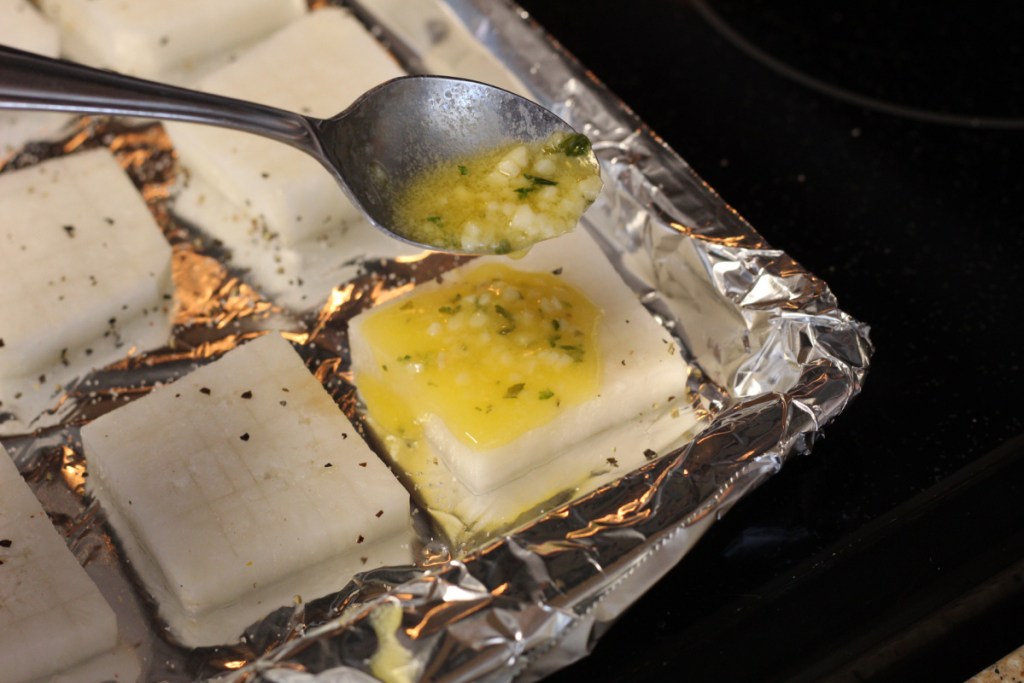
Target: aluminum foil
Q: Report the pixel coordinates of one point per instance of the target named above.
(776, 359)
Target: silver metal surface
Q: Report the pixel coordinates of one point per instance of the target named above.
(776, 359)
(405, 125)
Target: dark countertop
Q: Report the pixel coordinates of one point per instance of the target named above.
(880, 147)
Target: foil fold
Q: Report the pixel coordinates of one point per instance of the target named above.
(775, 360)
(778, 361)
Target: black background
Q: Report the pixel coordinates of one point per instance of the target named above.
(881, 147)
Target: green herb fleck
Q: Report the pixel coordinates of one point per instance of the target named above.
(503, 247)
(449, 310)
(545, 395)
(556, 325)
(537, 180)
(523, 191)
(575, 145)
(575, 352)
(436, 220)
(463, 170)
(514, 390)
(503, 312)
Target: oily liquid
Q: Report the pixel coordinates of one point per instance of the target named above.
(502, 200)
(494, 354)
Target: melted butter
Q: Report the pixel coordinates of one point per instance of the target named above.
(494, 354)
(502, 200)
(391, 662)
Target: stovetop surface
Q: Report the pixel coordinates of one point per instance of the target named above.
(881, 147)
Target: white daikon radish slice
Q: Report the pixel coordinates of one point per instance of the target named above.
(442, 43)
(24, 28)
(52, 616)
(82, 256)
(543, 444)
(154, 38)
(240, 488)
(318, 65)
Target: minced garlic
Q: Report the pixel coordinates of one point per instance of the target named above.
(502, 200)
(494, 354)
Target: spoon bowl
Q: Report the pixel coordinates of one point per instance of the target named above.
(409, 125)
(392, 132)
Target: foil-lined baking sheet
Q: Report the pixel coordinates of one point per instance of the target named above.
(774, 357)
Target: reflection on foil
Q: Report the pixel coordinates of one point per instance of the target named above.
(775, 359)
(779, 359)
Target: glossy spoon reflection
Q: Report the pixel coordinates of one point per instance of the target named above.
(393, 132)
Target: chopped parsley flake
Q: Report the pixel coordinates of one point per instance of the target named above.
(575, 352)
(537, 180)
(575, 145)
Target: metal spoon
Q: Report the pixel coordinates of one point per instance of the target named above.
(390, 133)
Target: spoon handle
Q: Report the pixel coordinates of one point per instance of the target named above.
(31, 81)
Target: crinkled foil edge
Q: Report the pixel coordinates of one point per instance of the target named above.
(539, 599)
(776, 359)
